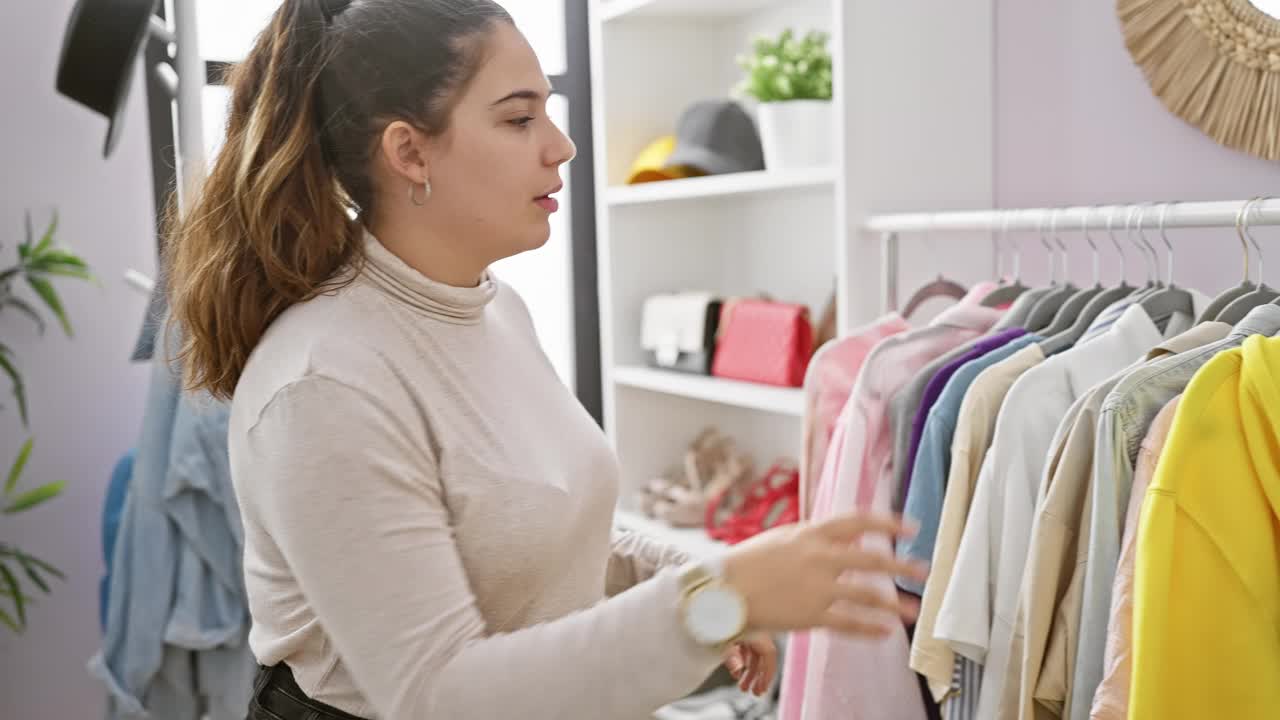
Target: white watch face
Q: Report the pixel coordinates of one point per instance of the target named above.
(715, 615)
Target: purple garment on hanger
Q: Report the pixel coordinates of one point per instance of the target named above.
(939, 381)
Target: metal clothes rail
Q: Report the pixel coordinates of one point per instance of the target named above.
(1148, 215)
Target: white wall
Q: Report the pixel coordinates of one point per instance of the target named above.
(1075, 123)
(86, 397)
(916, 95)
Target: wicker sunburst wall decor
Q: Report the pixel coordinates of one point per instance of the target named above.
(1213, 63)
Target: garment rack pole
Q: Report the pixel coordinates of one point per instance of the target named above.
(1214, 214)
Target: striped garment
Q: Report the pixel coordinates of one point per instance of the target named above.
(962, 703)
(1106, 319)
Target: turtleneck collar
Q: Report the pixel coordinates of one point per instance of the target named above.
(459, 305)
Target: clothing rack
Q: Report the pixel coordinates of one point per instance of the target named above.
(1145, 215)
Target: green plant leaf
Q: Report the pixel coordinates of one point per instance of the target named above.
(18, 465)
(46, 292)
(32, 498)
(62, 257)
(8, 620)
(787, 67)
(24, 248)
(31, 560)
(30, 570)
(63, 271)
(47, 241)
(19, 391)
(28, 599)
(25, 308)
(15, 591)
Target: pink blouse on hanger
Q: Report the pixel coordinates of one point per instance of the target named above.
(827, 385)
(866, 679)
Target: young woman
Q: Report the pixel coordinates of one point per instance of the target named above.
(427, 509)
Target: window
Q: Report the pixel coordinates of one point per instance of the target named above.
(228, 27)
(542, 22)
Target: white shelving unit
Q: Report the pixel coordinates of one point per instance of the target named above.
(773, 231)
(721, 186)
(784, 401)
(914, 123)
(692, 540)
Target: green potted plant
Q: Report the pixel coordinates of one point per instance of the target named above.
(791, 79)
(39, 262)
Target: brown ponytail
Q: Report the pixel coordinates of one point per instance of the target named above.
(272, 225)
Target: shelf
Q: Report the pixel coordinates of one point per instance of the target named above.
(720, 186)
(706, 9)
(785, 401)
(694, 541)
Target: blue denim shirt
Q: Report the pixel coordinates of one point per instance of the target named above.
(112, 508)
(175, 642)
(933, 460)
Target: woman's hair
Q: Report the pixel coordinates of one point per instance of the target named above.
(273, 223)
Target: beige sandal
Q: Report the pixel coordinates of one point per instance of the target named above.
(717, 467)
(678, 479)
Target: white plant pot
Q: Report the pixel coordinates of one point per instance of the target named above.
(795, 133)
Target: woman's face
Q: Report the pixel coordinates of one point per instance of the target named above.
(492, 171)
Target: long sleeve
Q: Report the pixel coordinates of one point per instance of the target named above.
(635, 558)
(355, 506)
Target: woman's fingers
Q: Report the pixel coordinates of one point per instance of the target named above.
(876, 561)
(768, 668)
(748, 674)
(734, 662)
(850, 527)
(864, 597)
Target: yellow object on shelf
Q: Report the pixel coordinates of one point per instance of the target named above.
(651, 164)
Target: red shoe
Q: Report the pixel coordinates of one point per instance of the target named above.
(771, 501)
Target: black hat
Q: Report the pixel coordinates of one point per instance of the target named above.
(103, 39)
(717, 137)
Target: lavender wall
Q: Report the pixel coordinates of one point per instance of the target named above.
(1077, 124)
(86, 397)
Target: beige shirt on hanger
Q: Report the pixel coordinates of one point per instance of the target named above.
(1047, 618)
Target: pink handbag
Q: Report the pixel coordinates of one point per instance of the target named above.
(764, 341)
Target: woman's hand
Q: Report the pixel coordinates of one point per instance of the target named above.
(818, 575)
(753, 661)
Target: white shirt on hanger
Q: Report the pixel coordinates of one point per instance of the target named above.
(977, 613)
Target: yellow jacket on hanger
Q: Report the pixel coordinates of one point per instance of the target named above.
(1206, 638)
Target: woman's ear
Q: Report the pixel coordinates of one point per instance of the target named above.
(404, 149)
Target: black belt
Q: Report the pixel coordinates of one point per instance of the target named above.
(276, 696)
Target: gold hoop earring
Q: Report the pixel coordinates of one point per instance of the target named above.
(413, 193)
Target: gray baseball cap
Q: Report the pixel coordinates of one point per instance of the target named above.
(717, 137)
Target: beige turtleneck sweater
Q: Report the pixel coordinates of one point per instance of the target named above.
(428, 513)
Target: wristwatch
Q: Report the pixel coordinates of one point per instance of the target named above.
(712, 611)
